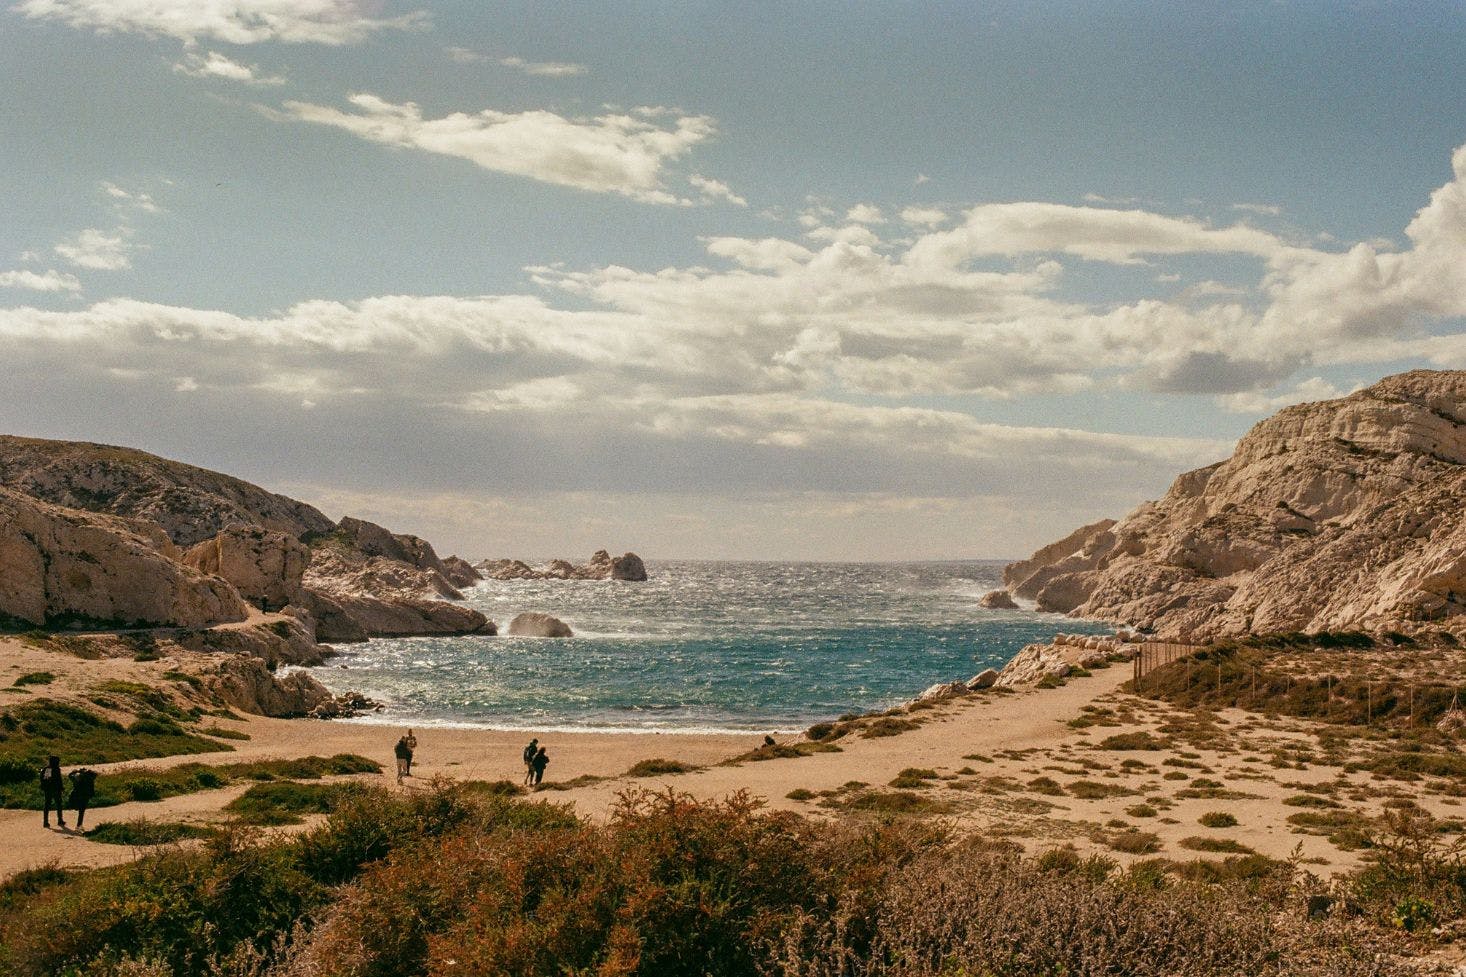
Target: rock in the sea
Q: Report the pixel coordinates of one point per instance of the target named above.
(263, 565)
(59, 564)
(602, 566)
(1033, 663)
(1338, 515)
(999, 600)
(246, 684)
(984, 679)
(460, 572)
(533, 624)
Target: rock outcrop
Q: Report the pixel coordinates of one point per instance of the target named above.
(1343, 514)
(191, 504)
(460, 572)
(265, 566)
(602, 566)
(248, 685)
(387, 598)
(999, 600)
(59, 565)
(533, 624)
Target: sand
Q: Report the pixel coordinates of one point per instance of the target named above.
(984, 753)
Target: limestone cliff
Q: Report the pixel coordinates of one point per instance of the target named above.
(385, 597)
(1341, 514)
(59, 565)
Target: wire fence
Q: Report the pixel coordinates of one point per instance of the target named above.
(1150, 655)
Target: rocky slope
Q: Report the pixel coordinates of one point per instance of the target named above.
(1343, 514)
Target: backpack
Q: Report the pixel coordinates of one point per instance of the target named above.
(49, 780)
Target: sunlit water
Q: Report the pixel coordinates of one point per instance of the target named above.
(701, 646)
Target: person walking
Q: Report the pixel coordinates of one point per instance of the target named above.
(83, 788)
(403, 753)
(51, 792)
(538, 764)
(411, 740)
(529, 755)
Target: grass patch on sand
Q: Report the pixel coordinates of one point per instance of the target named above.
(31, 732)
(1217, 819)
(782, 751)
(36, 678)
(660, 767)
(141, 832)
(1223, 845)
(154, 784)
(288, 801)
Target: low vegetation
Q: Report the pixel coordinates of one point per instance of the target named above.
(450, 880)
(141, 832)
(32, 731)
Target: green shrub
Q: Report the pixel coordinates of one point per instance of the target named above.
(36, 678)
(658, 767)
(141, 832)
(1217, 819)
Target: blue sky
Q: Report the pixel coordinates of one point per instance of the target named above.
(820, 280)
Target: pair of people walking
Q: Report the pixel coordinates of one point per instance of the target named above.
(403, 751)
(53, 787)
(535, 761)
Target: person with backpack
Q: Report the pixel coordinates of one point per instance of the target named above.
(51, 792)
(529, 754)
(83, 788)
(538, 764)
(403, 752)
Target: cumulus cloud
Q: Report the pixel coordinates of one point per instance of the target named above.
(715, 190)
(623, 153)
(47, 281)
(99, 250)
(924, 216)
(544, 69)
(130, 199)
(1257, 402)
(332, 22)
(215, 65)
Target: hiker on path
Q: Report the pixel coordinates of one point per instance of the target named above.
(538, 764)
(403, 753)
(51, 792)
(411, 740)
(529, 755)
(83, 787)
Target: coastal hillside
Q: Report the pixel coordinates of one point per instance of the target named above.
(108, 535)
(1342, 514)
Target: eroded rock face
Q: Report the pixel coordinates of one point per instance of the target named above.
(263, 565)
(1033, 663)
(369, 539)
(533, 624)
(602, 566)
(247, 684)
(387, 598)
(1344, 514)
(58, 564)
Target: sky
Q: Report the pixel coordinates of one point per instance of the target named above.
(827, 281)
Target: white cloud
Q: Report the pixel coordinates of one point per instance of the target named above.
(715, 190)
(129, 198)
(544, 69)
(332, 22)
(1265, 210)
(865, 214)
(615, 153)
(47, 281)
(924, 216)
(98, 250)
(215, 65)
(1257, 402)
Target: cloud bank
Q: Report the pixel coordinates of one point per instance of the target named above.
(330, 22)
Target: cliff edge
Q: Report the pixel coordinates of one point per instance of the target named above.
(1341, 514)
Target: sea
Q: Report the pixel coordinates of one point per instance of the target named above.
(701, 647)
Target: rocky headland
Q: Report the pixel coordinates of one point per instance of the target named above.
(1339, 515)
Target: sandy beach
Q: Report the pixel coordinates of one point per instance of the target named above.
(1040, 768)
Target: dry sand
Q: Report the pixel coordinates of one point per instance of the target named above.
(986, 752)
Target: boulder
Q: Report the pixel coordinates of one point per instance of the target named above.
(999, 600)
(628, 567)
(1031, 664)
(460, 572)
(507, 570)
(247, 684)
(533, 624)
(263, 565)
(59, 565)
(984, 679)
(943, 690)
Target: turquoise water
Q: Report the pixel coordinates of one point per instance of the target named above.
(702, 646)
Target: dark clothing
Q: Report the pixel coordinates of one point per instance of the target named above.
(538, 764)
(83, 787)
(52, 787)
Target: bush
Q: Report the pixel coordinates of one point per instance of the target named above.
(1217, 819)
(36, 678)
(658, 767)
(142, 832)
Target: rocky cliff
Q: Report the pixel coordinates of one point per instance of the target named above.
(59, 565)
(1341, 514)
